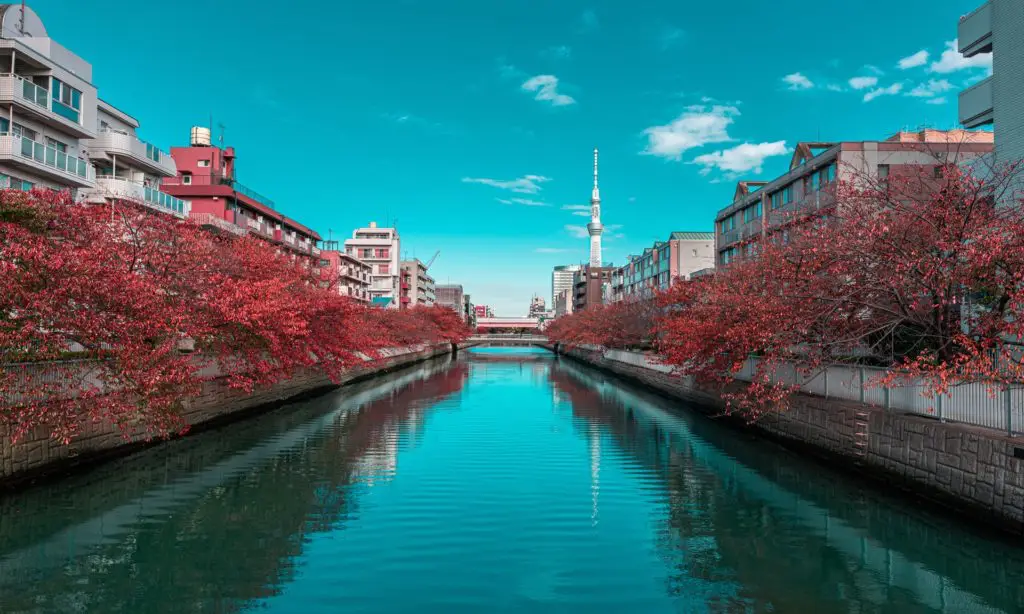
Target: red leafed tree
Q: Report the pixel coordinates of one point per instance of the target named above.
(624, 324)
(919, 271)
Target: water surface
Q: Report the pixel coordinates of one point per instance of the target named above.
(506, 480)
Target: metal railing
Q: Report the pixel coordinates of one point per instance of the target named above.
(208, 219)
(50, 156)
(218, 179)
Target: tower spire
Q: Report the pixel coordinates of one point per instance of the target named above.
(596, 194)
(594, 228)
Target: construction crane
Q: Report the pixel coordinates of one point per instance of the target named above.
(432, 259)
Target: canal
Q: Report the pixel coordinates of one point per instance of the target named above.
(503, 480)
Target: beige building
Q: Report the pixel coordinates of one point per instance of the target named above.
(417, 287)
(379, 248)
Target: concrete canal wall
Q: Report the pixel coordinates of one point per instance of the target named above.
(37, 455)
(974, 470)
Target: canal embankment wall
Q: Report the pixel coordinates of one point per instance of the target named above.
(973, 470)
(37, 455)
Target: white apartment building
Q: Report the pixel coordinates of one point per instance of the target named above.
(48, 106)
(996, 27)
(378, 247)
(561, 279)
(128, 168)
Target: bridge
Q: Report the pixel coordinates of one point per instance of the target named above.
(507, 325)
(507, 339)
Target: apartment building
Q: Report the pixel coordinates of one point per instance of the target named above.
(591, 286)
(206, 177)
(453, 297)
(564, 302)
(537, 307)
(562, 279)
(47, 108)
(378, 247)
(351, 276)
(483, 311)
(660, 265)
(760, 206)
(996, 27)
(469, 311)
(128, 168)
(417, 287)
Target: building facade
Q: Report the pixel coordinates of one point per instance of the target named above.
(128, 168)
(469, 311)
(564, 302)
(47, 108)
(590, 286)
(996, 27)
(206, 177)
(759, 207)
(660, 265)
(417, 287)
(483, 311)
(537, 307)
(379, 247)
(451, 296)
(350, 276)
(562, 279)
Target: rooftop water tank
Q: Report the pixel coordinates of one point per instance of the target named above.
(200, 136)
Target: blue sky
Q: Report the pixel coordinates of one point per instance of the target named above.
(346, 112)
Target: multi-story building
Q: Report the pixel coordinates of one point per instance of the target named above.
(451, 296)
(206, 177)
(469, 310)
(47, 107)
(996, 27)
(128, 168)
(379, 247)
(564, 302)
(589, 286)
(758, 207)
(537, 306)
(660, 265)
(562, 279)
(417, 287)
(483, 311)
(351, 276)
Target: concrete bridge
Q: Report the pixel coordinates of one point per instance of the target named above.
(506, 339)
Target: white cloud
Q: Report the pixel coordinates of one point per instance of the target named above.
(545, 88)
(930, 89)
(797, 81)
(952, 61)
(527, 184)
(577, 232)
(697, 126)
(581, 213)
(576, 207)
(833, 87)
(742, 158)
(860, 83)
(874, 69)
(939, 100)
(892, 90)
(552, 250)
(911, 61)
(522, 201)
(558, 52)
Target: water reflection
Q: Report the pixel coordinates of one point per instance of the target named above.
(795, 537)
(254, 490)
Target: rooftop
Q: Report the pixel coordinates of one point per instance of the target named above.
(692, 236)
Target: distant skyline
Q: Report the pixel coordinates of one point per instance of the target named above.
(473, 124)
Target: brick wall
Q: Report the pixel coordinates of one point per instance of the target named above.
(37, 454)
(969, 469)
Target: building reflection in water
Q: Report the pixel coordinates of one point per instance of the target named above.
(739, 506)
(257, 489)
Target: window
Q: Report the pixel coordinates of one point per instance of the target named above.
(204, 163)
(815, 181)
(787, 194)
(383, 253)
(186, 178)
(324, 262)
(883, 171)
(67, 101)
(366, 252)
(384, 269)
(54, 143)
(830, 173)
(938, 172)
(777, 200)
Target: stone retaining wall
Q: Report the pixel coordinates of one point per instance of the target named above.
(37, 455)
(970, 469)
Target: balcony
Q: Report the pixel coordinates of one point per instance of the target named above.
(256, 227)
(976, 104)
(219, 180)
(117, 187)
(124, 144)
(975, 31)
(38, 158)
(217, 223)
(35, 100)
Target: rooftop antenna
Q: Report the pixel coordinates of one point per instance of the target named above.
(221, 137)
(21, 24)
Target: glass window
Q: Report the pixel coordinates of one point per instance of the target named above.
(757, 214)
(815, 181)
(883, 171)
(787, 194)
(204, 163)
(830, 173)
(54, 143)
(776, 200)
(186, 178)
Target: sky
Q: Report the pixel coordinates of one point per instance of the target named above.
(471, 124)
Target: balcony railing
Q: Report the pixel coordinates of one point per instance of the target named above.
(49, 157)
(118, 187)
(38, 97)
(122, 142)
(208, 219)
(975, 104)
(974, 32)
(218, 179)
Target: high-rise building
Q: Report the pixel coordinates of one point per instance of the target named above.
(564, 302)
(416, 285)
(451, 296)
(561, 279)
(483, 311)
(206, 177)
(128, 168)
(378, 247)
(759, 208)
(996, 27)
(49, 108)
(594, 228)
